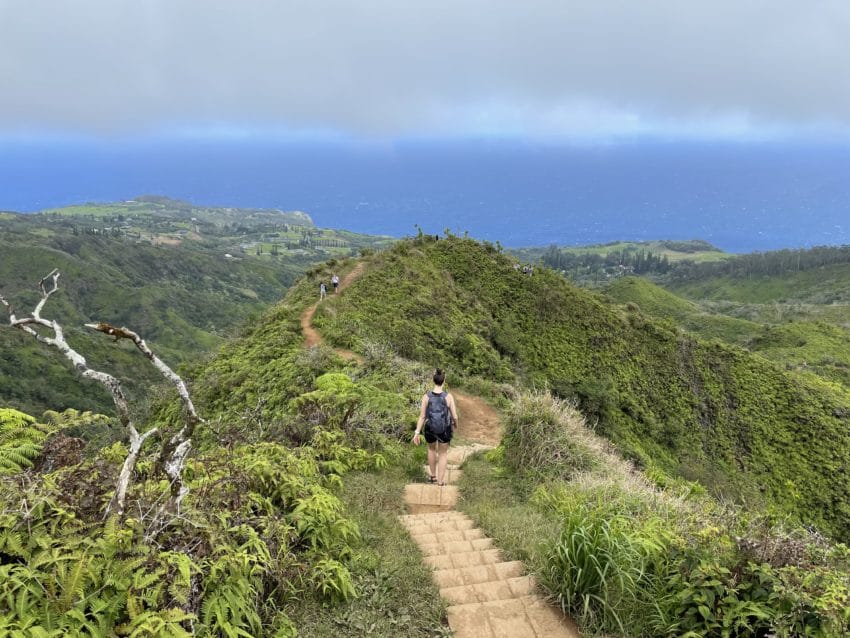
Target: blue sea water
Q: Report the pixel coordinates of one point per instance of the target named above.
(741, 197)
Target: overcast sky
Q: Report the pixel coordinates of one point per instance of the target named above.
(404, 68)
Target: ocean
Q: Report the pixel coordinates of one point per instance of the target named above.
(741, 197)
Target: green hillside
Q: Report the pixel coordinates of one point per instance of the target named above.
(805, 338)
(181, 276)
(701, 409)
(296, 476)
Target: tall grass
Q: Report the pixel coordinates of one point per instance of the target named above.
(627, 558)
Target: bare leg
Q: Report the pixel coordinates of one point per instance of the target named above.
(442, 460)
(432, 458)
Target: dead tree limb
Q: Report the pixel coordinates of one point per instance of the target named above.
(177, 448)
(49, 285)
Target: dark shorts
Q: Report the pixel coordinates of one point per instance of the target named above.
(430, 437)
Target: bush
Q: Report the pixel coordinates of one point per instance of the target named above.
(545, 441)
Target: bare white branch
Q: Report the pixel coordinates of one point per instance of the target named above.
(45, 293)
(136, 442)
(176, 450)
(49, 285)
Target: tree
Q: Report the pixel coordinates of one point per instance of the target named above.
(174, 450)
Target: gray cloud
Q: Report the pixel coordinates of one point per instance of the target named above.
(390, 67)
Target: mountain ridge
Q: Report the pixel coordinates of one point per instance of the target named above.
(701, 409)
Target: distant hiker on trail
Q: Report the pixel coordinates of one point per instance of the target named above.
(438, 414)
(323, 290)
(335, 282)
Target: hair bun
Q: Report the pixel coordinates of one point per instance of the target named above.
(439, 371)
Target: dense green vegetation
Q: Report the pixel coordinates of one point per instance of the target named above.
(297, 474)
(628, 557)
(595, 265)
(770, 264)
(703, 410)
(160, 268)
(805, 338)
(271, 534)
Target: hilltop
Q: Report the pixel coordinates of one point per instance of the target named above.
(737, 423)
(183, 276)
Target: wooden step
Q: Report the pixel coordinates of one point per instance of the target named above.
(456, 547)
(524, 617)
(478, 574)
(453, 474)
(464, 559)
(431, 496)
(440, 535)
(416, 529)
(489, 591)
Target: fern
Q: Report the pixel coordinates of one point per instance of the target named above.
(21, 440)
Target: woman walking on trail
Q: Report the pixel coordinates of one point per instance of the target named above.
(437, 413)
(323, 290)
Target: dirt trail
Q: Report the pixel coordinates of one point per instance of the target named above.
(477, 421)
(488, 596)
(311, 336)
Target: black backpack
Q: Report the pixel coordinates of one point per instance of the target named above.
(438, 418)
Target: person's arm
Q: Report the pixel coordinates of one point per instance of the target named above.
(422, 407)
(453, 409)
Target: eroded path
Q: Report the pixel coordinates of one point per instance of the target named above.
(311, 336)
(488, 597)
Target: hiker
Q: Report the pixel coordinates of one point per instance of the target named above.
(323, 290)
(437, 413)
(335, 282)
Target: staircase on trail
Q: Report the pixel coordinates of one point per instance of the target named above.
(488, 596)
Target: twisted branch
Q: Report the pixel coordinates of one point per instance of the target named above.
(174, 452)
(49, 285)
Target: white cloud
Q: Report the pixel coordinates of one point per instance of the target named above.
(386, 68)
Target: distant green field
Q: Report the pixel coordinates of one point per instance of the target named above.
(91, 210)
(693, 250)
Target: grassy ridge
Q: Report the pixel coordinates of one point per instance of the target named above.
(704, 410)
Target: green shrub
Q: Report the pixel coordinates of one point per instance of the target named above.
(21, 440)
(543, 441)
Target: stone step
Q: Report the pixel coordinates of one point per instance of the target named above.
(524, 617)
(464, 559)
(478, 574)
(488, 591)
(453, 474)
(455, 547)
(444, 497)
(445, 536)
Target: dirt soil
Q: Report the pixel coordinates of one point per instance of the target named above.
(477, 421)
